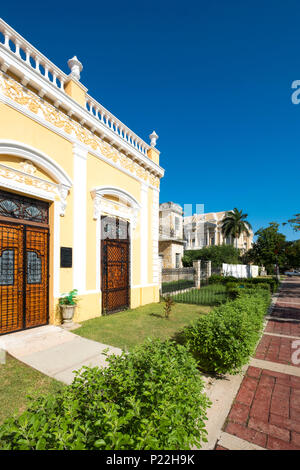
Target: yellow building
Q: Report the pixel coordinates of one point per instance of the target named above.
(79, 196)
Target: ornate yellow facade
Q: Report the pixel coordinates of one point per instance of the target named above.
(59, 145)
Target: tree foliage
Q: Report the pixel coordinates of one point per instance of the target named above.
(292, 253)
(235, 223)
(294, 222)
(269, 248)
(217, 254)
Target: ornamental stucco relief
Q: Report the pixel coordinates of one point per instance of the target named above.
(24, 97)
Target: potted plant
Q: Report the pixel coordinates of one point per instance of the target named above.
(67, 303)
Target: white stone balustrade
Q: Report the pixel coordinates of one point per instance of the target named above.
(12, 41)
(116, 126)
(25, 54)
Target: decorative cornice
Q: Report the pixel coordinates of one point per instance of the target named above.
(47, 113)
(50, 82)
(21, 181)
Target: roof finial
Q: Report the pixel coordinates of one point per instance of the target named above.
(153, 138)
(75, 67)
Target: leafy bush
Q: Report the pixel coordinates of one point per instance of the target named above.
(255, 281)
(217, 254)
(232, 292)
(223, 340)
(219, 279)
(151, 398)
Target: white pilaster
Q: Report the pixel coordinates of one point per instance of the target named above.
(79, 218)
(56, 250)
(144, 234)
(155, 236)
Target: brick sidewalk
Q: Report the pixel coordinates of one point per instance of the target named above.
(266, 411)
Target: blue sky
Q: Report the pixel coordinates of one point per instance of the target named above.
(213, 78)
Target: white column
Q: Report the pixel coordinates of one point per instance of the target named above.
(56, 250)
(155, 235)
(144, 234)
(79, 218)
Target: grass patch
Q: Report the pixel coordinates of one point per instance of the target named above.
(131, 327)
(17, 381)
(212, 294)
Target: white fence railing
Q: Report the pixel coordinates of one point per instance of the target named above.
(24, 51)
(13, 42)
(115, 125)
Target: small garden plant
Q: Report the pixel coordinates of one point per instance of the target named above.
(69, 298)
(169, 303)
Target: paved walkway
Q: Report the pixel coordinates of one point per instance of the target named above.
(54, 351)
(266, 411)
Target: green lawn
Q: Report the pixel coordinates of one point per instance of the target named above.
(212, 294)
(131, 327)
(17, 381)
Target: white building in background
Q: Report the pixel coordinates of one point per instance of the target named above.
(178, 233)
(171, 241)
(202, 230)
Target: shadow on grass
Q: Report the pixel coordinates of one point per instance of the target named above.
(157, 315)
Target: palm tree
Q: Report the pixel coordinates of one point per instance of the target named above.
(234, 224)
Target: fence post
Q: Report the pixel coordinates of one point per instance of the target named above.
(197, 273)
(208, 269)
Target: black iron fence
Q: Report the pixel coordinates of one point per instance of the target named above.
(207, 294)
(182, 285)
(174, 280)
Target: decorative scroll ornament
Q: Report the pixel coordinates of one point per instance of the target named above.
(135, 218)
(103, 206)
(28, 167)
(49, 113)
(97, 207)
(63, 192)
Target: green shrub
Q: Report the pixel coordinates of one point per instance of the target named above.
(233, 292)
(151, 398)
(255, 281)
(223, 340)
(232, 285)
(261, 285)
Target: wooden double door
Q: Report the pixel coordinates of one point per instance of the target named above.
(23, 276)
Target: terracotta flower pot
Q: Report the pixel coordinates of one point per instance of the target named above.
(67, 313)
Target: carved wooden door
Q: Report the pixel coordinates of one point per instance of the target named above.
(23, 263)
(115, 266)
(11, 277)
(36, 277)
